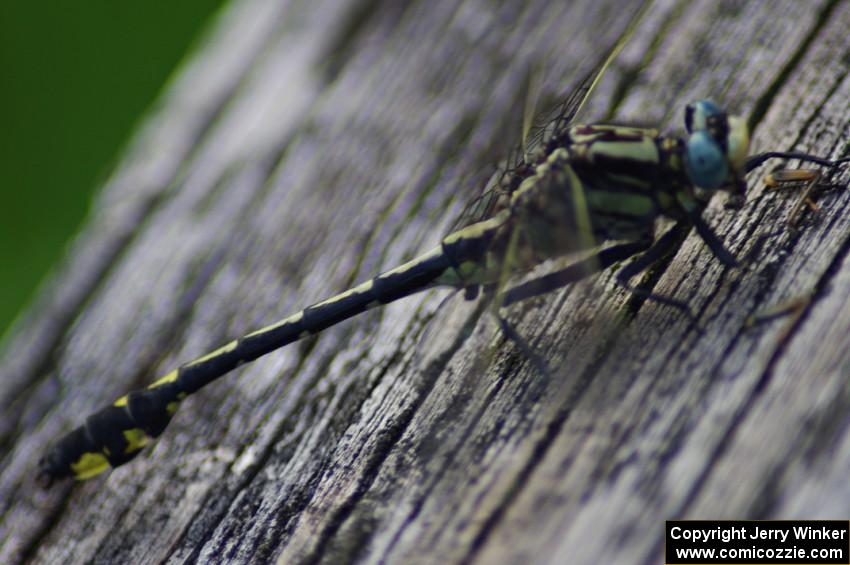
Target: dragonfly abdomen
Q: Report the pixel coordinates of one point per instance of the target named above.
(116, 434)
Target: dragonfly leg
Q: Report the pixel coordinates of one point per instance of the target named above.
(796, 177)
(712, 241)
(656, 251)
(574, 272)
(809, 178)
(756, 160)
(790, 177)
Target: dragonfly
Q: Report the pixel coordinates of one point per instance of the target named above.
(595, 189)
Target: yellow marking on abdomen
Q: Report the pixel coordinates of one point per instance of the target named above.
(136, 439)
(477, 230)
(430, 254)
(172, 407)
(89, 465)
(295, 318)
(359, 289)
(169, 378)
(213, 354)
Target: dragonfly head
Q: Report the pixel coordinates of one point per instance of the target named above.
(716, 149)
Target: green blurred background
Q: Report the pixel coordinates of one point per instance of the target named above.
(76, 79)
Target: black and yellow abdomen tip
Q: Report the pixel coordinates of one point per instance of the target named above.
(112, 436)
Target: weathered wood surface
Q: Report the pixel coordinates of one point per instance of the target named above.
(311, 144)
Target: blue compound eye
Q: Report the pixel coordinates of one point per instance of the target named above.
(697, 113)
(705, 162)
